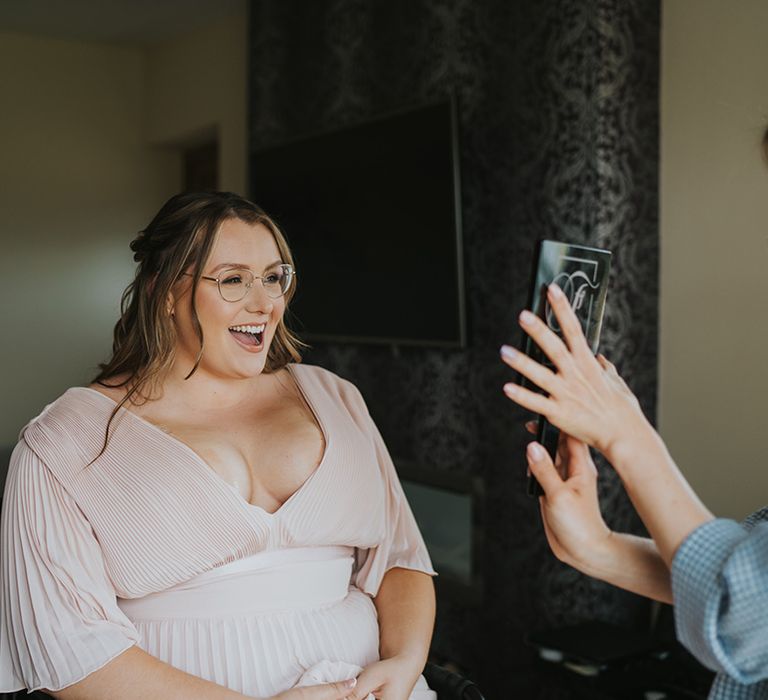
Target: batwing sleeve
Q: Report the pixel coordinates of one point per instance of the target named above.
(402, 545)
(720, 588)
(59, 618)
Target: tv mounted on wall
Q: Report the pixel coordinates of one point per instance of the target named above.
(372, 214)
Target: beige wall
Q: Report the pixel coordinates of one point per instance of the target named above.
(714, 248)
(196, 84)
(77, 181)
(90, 136)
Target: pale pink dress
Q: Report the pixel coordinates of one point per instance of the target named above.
(149, 546)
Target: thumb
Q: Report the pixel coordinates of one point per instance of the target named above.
(540, 464)
(363, 690)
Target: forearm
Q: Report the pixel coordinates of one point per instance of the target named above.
(406, 608)
(664, 500)
(135, 675)
(634, 564)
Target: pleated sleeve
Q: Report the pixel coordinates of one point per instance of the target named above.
(402, 544)
(59, 619)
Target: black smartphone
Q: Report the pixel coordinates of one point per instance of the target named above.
(582, 273)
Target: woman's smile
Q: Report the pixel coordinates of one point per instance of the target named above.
(249, 337)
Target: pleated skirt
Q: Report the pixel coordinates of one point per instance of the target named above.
(266, 623)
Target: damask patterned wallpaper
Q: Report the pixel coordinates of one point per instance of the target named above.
(558, 108)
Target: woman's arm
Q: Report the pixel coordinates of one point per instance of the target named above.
(577, 533)
(136, 675)
(664, 500)
(406, 609)
(636, 565)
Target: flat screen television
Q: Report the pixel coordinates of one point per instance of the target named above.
(372, 214)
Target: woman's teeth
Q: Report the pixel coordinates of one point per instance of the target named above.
(248, 329)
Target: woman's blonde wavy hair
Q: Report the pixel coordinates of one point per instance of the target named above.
(179, 239)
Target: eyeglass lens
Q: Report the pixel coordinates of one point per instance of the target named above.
(234, 284)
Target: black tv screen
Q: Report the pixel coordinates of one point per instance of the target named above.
(372, 215)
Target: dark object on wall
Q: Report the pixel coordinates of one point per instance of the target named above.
(372, 214)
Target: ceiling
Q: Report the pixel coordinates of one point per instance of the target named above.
(114, 21)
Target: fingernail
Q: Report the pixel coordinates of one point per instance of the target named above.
(526, 317)
(536, 451)
(511, 389)
(508, 352)
(555, 291)
(351, 683)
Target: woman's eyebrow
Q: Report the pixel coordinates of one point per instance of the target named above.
(242, 266)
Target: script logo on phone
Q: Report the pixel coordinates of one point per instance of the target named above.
(581, 287)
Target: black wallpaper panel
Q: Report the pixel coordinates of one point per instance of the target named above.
(558, 110)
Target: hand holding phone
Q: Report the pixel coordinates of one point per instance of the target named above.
(582, 273)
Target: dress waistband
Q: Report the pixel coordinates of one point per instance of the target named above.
(301, 577)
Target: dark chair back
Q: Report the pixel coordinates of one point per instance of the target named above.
(449, 685)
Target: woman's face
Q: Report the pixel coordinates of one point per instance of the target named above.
(230, 353)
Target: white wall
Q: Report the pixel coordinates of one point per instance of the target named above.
(714, 248)
(77, 181)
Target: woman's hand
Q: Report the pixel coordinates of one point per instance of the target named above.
(586, 397)
(576, 531)
(570, 511)
(388, 679)
(326, 691)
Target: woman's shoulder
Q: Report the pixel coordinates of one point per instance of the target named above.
(331, 382)
(336, 390)
(66, 428)
(76, 404)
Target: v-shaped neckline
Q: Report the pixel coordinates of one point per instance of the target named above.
(198, 459)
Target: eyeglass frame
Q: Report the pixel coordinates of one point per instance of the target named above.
(291, 273)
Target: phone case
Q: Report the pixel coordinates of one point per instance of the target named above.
(582, 273)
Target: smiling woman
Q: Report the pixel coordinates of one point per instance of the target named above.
(189, 233)
(210, 517)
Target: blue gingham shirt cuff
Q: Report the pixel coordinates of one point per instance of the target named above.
(700, 591)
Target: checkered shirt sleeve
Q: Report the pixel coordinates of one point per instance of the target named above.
(720, 589)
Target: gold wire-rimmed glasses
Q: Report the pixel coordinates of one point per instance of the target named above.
(234, 284)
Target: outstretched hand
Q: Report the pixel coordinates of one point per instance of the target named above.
(586, 399)
(585, 396)
(570, 510)
(576, 531)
